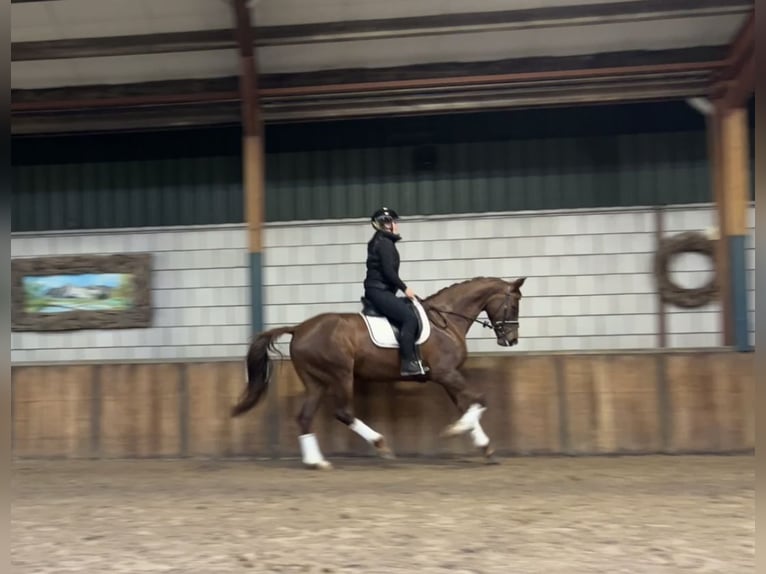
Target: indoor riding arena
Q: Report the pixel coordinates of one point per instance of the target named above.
(189, 175)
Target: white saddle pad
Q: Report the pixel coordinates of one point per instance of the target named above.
(382, 333)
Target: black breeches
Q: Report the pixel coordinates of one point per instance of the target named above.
(399, 313)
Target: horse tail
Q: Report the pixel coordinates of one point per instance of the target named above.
(259, 368)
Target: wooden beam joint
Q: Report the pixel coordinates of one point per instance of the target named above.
(735, 82)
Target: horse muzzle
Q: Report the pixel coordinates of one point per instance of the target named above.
(507, 342)
(507, 336)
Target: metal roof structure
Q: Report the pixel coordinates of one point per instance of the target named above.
(80, 65)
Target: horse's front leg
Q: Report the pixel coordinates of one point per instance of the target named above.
(471, 406)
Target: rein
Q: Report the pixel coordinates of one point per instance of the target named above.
(496, 326)
(440, 311)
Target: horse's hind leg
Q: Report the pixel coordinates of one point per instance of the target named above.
(472, 408)
(311, 454)
(344, 412)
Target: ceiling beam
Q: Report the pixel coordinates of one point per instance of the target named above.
(329, 90)
(372, 104)
(193, 41)
(440, 76)
(353, 31)
(744, 42)
(617, 60)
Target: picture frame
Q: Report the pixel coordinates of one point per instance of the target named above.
(81, 292)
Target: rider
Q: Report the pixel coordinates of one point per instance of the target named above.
(382, 283)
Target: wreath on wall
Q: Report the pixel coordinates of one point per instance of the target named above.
(670, 292)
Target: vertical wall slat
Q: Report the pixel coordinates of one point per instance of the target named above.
(55, 197)
(513, 191)
(186, 194)
(23, 204)
(355, 182)
(69, 186)
(122, 194)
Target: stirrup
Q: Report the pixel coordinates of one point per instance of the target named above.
(421, 371)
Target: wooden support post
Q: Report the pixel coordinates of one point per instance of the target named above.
(715, 131)
(254, 178)
(254, 202)
(731, 172)
(729, 158)
(253, 164)
(736, 174)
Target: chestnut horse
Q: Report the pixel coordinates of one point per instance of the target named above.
(333, 350)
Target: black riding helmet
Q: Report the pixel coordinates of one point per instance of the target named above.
(382, 217)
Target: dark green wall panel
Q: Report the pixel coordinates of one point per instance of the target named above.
(505, 161)
(138, 193)
(623, 170)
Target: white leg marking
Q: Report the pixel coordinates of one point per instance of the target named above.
(472, 415)
(372, 436)
(364, 431)
(467, 422)
(312, 456)
(480, 438)
(368, 434)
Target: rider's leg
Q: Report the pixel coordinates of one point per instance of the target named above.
(407, 337)
(397, 311)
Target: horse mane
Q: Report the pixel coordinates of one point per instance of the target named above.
(457, 284)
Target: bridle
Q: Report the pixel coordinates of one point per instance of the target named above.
(497, 326)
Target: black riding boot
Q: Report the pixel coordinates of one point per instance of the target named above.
(413, 366)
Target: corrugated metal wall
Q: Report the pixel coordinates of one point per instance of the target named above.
(639, 169)
(136, 193)
(522, 160)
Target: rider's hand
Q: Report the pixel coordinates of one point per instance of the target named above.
(410, 293)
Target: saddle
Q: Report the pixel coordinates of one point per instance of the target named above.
(370, 310)
(384, 333)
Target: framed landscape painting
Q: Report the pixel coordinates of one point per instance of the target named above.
(81, 292)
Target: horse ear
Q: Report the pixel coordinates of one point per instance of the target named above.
(518, 283)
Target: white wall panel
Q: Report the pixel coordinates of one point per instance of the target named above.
(590, 280)
(200, 282)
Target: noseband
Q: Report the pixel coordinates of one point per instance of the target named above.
(498, 326)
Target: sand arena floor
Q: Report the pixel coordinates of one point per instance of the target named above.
(536, 515)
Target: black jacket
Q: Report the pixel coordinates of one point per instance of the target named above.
(383, 263)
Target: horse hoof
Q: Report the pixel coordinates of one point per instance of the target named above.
(383, 450)
(386, 453)
(322, 465)
(489, 456)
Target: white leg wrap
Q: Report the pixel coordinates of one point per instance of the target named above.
(467, 422)
(364, 431)
(480, 438)
(310, 449)
(471, 417)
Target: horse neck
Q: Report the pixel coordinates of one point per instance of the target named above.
(467, 299)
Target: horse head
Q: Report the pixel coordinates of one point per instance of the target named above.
(502, 308)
